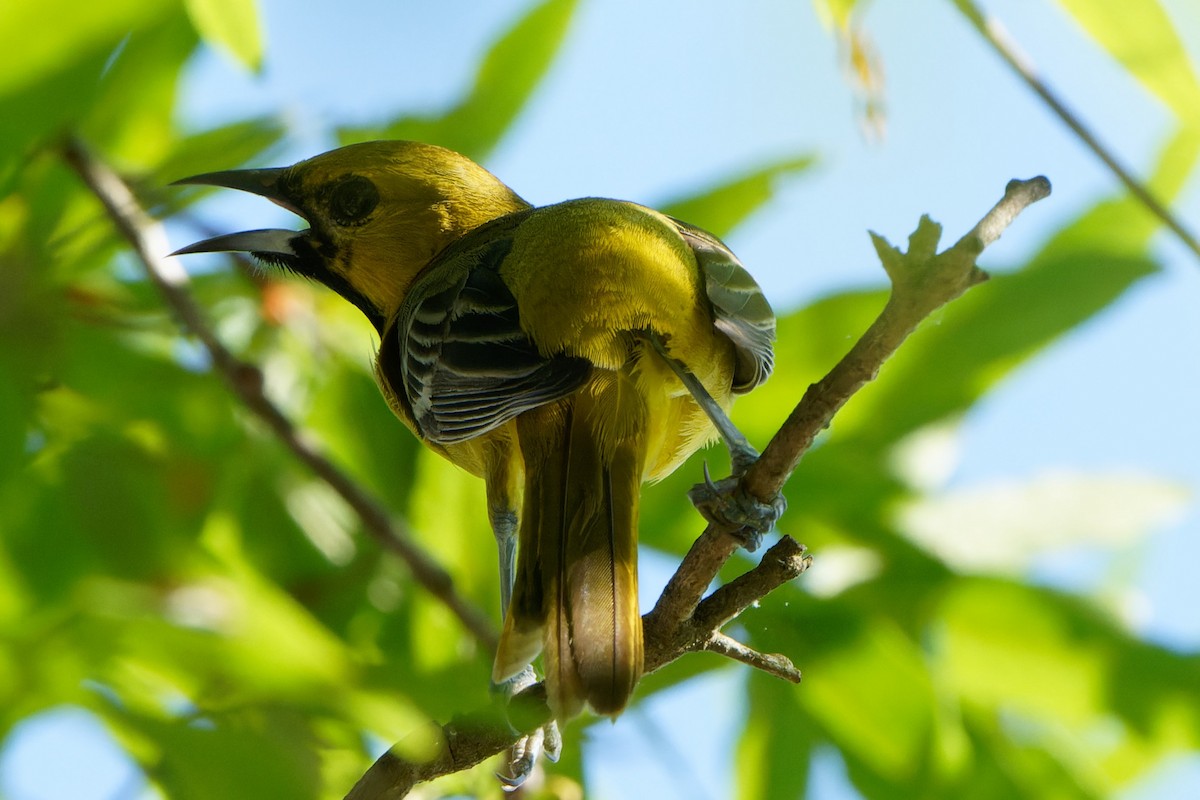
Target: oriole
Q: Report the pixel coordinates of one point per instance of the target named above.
(531, 347)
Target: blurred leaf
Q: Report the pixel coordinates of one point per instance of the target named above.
(73, 88)
(1140, 36)
(230, 25)
(507, 77)
(448, 515)
(1053, 662)
(1011, 524)
(20, 316)
(1003, 646)
(81, 30)
(842, 567)
(361, 432)
(272, 634)
(1035, 693)
(722, 207)
(257, 755)
(775, 747)
(874, 699)
(1175, 163)
(236, 143)
(860, 61)
(132, 116)
(102, 500)
(835, 12)
(67, 66)
(1006, 766)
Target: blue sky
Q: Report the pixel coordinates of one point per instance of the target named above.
(650, 100)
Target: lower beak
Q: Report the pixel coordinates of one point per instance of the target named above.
(264, 183)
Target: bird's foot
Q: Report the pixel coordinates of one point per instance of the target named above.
(724, 503)
(546, 740)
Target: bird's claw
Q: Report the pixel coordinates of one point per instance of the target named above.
(522, 758)
(524, 754)
(726, 504)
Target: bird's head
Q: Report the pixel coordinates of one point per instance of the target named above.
(377, 213)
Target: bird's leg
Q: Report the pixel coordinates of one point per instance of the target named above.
(504, 527)
(724, 502)
(741, 453)
(522, 756)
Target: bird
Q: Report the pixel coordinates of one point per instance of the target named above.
(564, 353)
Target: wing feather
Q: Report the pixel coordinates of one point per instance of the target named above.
(456, 350)
(742, 311)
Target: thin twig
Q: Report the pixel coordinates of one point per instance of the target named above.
(770, 663)
(785, 561)
(146, 237)
(995, 35)
(665, 640)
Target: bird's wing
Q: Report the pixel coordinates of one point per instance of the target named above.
(458, 356)
(742, 312)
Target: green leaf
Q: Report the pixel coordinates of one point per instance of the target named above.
(232, 26)
(507, 78)
(448, 514)
(1175, 163)
(38, 40)
(64, 60)
(1011, 524)
(1061, 671)
(131, 121)
(1027, 764)
(836, 13)
(775, 747)
(247, 755)
(722, 207)
(361, 433)
(218, 148)
(874, 698)
(1140, 36)
(1003, 646)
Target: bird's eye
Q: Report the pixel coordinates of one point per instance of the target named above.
(351, 199)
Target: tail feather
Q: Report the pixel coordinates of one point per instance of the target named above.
(576, 587)
(602, 597)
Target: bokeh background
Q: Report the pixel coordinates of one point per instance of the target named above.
(1005, 526)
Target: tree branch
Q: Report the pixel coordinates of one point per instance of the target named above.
(681, 622)
(995, 35)
(146, 237)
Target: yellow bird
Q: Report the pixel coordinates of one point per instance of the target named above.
(556, 352)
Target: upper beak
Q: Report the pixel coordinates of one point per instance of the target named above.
(262, 182)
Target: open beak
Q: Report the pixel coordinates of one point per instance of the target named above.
(270, 241)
